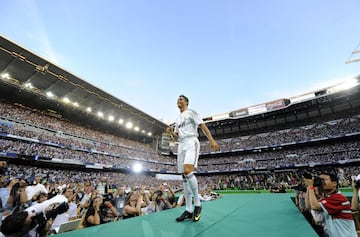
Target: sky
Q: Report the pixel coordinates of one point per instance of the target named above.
(223, 55)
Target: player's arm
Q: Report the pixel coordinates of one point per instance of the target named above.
(172, 133)
(214, 146)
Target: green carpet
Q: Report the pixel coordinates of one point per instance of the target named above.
(233, 215)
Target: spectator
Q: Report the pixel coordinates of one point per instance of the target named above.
(119, 200)
(31, 221)
(70, 214)
(355, 201)
(335, 206)
(98, 211)
(133, 205)
(32, 191)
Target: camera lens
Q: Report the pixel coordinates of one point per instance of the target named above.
(317, 181)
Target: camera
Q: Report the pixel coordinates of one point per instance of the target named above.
(317, 179)
(41, 218)
(107, 197)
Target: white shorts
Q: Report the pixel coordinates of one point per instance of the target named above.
(188, 153)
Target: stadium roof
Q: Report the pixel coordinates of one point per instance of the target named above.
(341, 100)
(32, 80)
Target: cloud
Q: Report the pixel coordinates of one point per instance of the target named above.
(38, 31)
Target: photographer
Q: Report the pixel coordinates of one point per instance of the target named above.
(70, 214)
(35, 220)
(355, 201)
(158, 203)
(98, 211)
(168, 194)
(334, 205)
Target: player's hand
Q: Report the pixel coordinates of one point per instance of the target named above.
(214, 146)
(169, 130)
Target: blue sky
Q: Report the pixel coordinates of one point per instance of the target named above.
(224, 55)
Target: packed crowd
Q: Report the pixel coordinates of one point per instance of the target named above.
(260, 151)
(91, 197)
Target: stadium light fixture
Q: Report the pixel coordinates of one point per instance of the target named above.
(66, 100)
(5, 76)
(100, 114)
(143, 131)
(129, 125)
(76, 104)
(88, 109)
(136, 128)
(49, 94)
(111, 118)
(137, 168)
(121, 121)
(149, 134)
(28, 85)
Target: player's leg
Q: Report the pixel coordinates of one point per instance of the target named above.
(190, 163)
(187, 214)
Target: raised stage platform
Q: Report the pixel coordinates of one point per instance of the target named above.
(255, 215)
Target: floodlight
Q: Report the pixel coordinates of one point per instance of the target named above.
(100, 114)
(49, 94)
(137, 168)
(28, 85)
(5, 75)
(129, 125)
(121, 121)
(137, 128)
(66, 100)
(111, 118)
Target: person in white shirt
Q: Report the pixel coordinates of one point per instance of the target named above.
(33, 190)
(186, 132)
(26, 222)
(70, 214)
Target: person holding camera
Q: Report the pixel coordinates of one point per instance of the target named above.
(334, 205)
(36, 220)
(98, 211)
(70, 214)
(157, 203)
(355, 201)
(168, 194)
(133, 204)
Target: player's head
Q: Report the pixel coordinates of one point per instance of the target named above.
(185, 98)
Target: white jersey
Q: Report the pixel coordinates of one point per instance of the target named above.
(187, 124)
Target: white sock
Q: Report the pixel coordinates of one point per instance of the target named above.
(193, 183)
(188, 196)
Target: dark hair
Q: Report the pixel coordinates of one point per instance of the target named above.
(41, 194)
(333, 176)
(159, 193)
(187, 99)
(65, 189)
(128, 196)
(14, 223)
